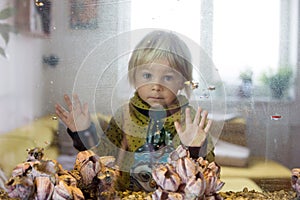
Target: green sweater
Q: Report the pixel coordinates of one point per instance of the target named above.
(140, 137)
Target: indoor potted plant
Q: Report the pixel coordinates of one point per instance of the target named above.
(245, 90)
(6, 28)
(279, 81)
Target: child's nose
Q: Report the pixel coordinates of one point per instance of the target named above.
(157, 87)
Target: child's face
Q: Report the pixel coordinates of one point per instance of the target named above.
(157, 83)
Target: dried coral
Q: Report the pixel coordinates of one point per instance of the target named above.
(295, 181)
(37, 178)
(185, 178)
(95, 175)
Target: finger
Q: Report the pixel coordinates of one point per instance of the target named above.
(77, 103)
(85, 109)
(203, 119)
(59, 108)
(188, 119)
(197, 116)
(61, 113)
(68, 102)
(178, 127)
(208, 125)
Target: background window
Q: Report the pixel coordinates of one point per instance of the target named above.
(240, 36)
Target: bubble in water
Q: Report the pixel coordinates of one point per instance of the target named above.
(54, 118)
(192, 84)
(276, 117)
(39, 3)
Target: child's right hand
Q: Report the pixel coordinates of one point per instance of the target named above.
(77, 117)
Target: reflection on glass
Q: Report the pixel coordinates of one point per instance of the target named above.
(262, 107)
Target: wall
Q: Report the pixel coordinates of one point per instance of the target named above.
(73, 48)
(29, 87)
(20, 76)
(278, 140)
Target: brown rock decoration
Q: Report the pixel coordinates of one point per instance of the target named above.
(185, 178)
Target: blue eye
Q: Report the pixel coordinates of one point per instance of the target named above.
(168, 78)
(147, 75)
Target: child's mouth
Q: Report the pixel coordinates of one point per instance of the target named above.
(155, 98)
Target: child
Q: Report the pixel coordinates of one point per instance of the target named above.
(157, 118)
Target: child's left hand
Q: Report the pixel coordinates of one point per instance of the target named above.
(195, 131)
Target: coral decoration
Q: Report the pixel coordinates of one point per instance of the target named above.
(295, 181)
(94, 177)
(185, 178)
(38, 178)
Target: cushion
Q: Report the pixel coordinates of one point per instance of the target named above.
(228, 154)
(237, 184)
(258, 167)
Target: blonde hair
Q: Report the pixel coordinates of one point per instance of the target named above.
(162, 45)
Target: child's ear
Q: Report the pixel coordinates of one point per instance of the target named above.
(182, 85)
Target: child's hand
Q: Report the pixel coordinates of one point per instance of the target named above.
(77, 117)
(195, 131)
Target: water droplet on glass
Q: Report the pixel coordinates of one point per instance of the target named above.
(276, 117)
(54, 28)
(51, 82)
(211, 87)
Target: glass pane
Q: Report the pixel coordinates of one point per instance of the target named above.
(244, 72)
